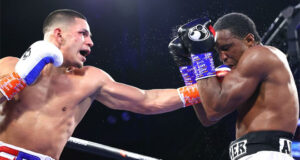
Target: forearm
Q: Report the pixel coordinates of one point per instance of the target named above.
(210, 93)
(120, 96)
(203, 116)
(162, 101)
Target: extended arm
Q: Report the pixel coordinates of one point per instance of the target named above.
(125, 97)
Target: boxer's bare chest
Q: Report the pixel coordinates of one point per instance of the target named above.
(61, 92)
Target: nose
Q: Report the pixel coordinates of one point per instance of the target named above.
(223, 56)
(89, 42)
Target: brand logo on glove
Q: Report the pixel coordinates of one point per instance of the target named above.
(27, 53)
(198, 33)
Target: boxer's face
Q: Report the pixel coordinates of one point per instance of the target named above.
(76, 43)
(229, 47)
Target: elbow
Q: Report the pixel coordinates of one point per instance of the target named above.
(207, 123)
(214, 116)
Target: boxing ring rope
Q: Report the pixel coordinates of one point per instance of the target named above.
(103, 150)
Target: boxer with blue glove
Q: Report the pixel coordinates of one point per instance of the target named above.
(189, 93)
(260, 85)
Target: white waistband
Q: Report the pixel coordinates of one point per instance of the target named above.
(10, 152)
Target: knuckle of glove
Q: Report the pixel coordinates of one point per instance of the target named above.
(196, 35)
(42, 49)
(179, 53)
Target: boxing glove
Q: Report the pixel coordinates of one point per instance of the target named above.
(29, 66)
(182, 58)
(189, 95)
(197, 35)
(198, 38)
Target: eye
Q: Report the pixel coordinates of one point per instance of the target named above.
(84, 33)
(225, 47)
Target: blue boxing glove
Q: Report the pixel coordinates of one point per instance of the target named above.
(198, 38)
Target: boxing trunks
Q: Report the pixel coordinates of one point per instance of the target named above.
(10, 152)
(262, 145)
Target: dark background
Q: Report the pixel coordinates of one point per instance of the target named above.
(131, 38)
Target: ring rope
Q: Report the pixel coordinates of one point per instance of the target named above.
(103, 150)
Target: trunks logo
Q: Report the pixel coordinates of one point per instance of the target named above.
(285, 146)
(27, 53)
(237, 149)
(198, 33)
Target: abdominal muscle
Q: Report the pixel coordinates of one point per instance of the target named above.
(42, 123)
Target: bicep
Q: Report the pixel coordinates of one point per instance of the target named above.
(117, 95)
(241, 83)
(237, 87)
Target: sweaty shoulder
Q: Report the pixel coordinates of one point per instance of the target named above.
(261, 59)
(97, 75)
(7, 64)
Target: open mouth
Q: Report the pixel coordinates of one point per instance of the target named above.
(84, 52)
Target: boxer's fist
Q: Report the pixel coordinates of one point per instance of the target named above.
(35, 58)
(179, 53)
(197, 35)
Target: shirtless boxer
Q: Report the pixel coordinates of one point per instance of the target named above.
(260, 86)
(46, 93)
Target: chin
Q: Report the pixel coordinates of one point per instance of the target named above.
(79, 65)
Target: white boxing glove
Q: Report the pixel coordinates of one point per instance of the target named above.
(35, 58)
(29, 67)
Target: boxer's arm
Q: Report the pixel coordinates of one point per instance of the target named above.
(121, 96)
(236, 88)
(202, 115)
(7, 65)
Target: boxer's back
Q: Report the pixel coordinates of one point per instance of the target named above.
(274, 106)
(43, 116)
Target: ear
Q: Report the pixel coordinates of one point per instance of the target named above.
(58, 35)
(249, 40)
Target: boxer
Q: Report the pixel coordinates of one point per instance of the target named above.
(46, 93)
(260, 85)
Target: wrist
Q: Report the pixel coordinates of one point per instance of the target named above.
(189, 95)
(203, 65)
(11, 84)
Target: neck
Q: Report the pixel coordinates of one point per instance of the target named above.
(51, 69)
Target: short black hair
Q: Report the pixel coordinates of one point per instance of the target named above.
(238, 24)
(61, 15)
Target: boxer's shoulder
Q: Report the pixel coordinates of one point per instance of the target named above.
(255, 59)
(8, 60)
(98, 75)
(7, 64)
(94, 71)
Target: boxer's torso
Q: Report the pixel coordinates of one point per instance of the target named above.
(274, 105)
(44, 115)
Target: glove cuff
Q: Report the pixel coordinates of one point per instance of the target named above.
(188, 75)
(203, 65)
(10, 85)
(189, 95)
